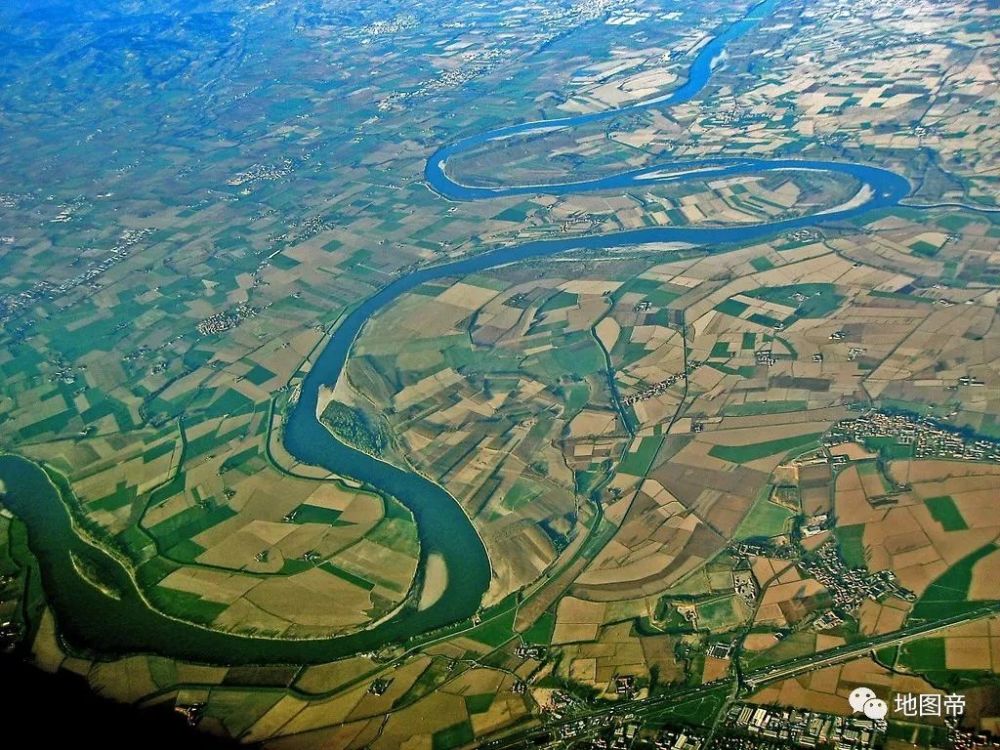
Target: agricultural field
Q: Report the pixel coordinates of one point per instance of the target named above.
(713, 379)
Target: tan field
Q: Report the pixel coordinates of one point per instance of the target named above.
(325, 677)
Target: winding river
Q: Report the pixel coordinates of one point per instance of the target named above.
(91, 620)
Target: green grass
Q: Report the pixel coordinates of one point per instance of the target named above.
(230, 402)
(926, 249)
(345, 575)
(638, 463)
(188, 524)
(721, 350)
(945, 512)
(244, 461)
(122, 496)
(923, 655)
(889, 447)
(540, 633)
(740, 454)
(399, 534)
(755, 408)
(799, 643)
(582, 356)
(852, 548)
(157, 451)
(732, 307)
(315, 514)
(559, 301)
(258, 375)
(185, 605)
(749, 341)
(718, 614)
(887, 656)
(761, 264)
(479, 704)
(947, 596)
(765, 519)
(820, 298)
(697, 711)
(902, 296)
(186, 551)
(496, 631)
(516, 213)
(452, 737)
(521, 493)
(56, 423)
(293, 565)
(238, 710)
(764, 320)
(577, 398)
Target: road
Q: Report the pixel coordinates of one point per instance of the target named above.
(752, 681)
(784, 670)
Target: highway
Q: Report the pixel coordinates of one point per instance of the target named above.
(592, 720)
(784, 670)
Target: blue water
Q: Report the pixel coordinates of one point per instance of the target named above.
(90, 620)
(443, 527)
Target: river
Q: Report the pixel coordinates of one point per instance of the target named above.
(94, 621)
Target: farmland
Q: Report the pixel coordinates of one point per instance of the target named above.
(693, 389)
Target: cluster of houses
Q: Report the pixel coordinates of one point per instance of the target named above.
(223, 321)
(850, 586)
(961, 738)
(928, 437)
(657, 388)
(765, 727)
(10, 304)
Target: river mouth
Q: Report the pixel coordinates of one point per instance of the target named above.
(95, 622)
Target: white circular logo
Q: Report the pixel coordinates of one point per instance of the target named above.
(859, 697)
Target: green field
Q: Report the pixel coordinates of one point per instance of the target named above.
(741, 454)
(185, 605)
(720, 350)
(189, 523)
(638, 463)
(718, 614)
(452, 737)
(697, 711)
(559, 300)
(765, 519)
(755, 408)
(540, 633)
(889, 447)
(852, 548)
(345, 575)
(496, 631)
(820, 298)
(732, 307)
(522, 492)
(399, 534)
(945, 512)
(316, 514)
(923, 655)
(799, 643)
(479, 704)
(920, 247)
(947, 596)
